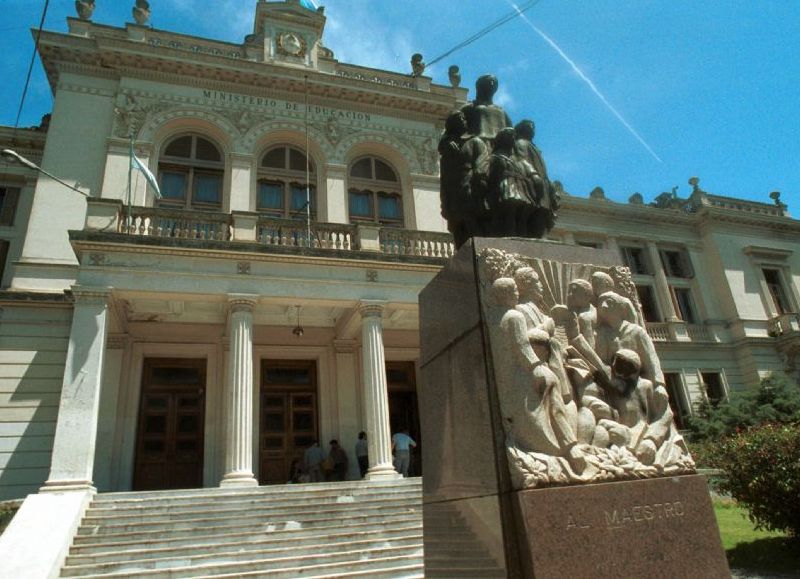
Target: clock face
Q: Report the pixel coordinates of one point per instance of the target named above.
(291, 44)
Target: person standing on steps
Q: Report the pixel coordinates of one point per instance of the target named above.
(402, 444)
(338, 456)
(362, 453)
(313, 459)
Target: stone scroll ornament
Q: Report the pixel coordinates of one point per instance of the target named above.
(580, 387)
(494, 181)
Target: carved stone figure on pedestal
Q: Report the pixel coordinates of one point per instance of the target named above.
(515, 195)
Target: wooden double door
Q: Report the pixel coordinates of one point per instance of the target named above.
(169, 440)
(288, 421)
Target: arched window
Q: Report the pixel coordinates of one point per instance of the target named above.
(282, 183)
(374, 192)
(190, 173)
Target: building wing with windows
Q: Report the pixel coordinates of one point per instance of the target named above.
(269, 298)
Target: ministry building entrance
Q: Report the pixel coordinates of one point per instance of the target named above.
(169, 437)
(288, 416)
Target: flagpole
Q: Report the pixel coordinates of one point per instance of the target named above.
(308, 171)
(130, 180)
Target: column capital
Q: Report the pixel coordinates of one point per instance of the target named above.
(90, 295)
(345, 346)
(242, 302)
(371, 308)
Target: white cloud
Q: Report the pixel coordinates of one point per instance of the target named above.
(503, 98)
(229, 20)
(357, 36)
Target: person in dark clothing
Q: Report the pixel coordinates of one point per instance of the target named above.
(339, 458)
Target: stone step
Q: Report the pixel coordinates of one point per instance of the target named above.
(227, 501)
(96, 516)
(311, 565)
(316, 489)
(279, 520)
(335, 532)
(241, 542)
(321, 552)
(412, 571)
(365, 521)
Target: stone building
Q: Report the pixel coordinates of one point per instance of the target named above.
(269, 299)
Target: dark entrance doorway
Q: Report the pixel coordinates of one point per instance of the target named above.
(169, 437)
(403, 408)
(288, 416)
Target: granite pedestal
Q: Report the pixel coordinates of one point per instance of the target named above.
(475, 523)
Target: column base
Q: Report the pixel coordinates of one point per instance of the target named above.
(382, 472)
(238, 479)
(64, 486)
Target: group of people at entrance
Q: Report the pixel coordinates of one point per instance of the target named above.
(316, 467)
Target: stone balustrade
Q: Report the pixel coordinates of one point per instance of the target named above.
(297, 233)
(159, 222)
(408, 242)
(659, 331)
(700, 333)
(111, 216)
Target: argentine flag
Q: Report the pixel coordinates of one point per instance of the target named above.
(151, 179)
(310, 4)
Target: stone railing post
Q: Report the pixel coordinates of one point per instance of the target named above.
(245, 226)
(103, 215)
(369, 237)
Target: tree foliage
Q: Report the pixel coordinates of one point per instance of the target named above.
(762, 468)
(775, 401)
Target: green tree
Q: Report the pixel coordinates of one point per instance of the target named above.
(775, 401)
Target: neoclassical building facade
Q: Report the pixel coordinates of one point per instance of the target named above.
(268, 299)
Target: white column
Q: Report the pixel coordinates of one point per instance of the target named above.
(376, 395)
(662, 287)
(76, 431)
(239, 395)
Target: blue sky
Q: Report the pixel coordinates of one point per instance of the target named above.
(711, 88)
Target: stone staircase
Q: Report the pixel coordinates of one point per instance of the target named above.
(349, 529)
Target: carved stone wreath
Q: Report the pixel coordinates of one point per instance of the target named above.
(292, 44)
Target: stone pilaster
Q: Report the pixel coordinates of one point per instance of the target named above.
(662, 287)
(239, 395)
(376, 395)
(76, 430)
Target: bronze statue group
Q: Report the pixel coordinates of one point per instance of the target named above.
(493, 178)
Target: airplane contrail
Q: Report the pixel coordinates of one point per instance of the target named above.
(587, 80)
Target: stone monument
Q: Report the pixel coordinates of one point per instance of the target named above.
(550, 444)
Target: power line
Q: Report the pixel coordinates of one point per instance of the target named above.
(483, 32)
(30, 67)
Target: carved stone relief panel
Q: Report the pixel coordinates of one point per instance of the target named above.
(580, 387)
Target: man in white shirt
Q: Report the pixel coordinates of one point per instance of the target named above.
(401, 444)
(313, 458)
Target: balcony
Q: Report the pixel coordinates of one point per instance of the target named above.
(784, 326)
(150, 224)
(678, 331)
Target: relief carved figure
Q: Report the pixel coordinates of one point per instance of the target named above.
(580, 386)
(508, 193)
